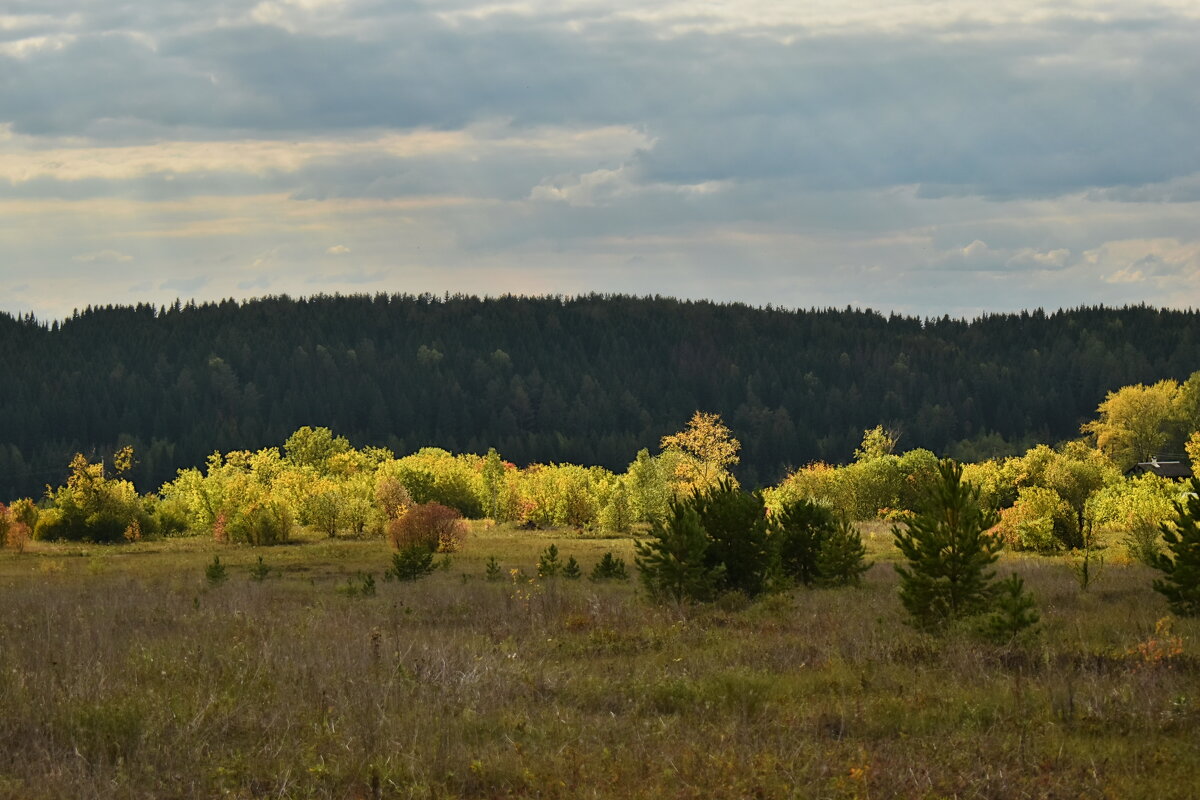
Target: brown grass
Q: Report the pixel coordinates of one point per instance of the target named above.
(122, 674)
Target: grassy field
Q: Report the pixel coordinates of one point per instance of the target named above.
(123, 673)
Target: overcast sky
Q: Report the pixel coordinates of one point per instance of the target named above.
(929, 158)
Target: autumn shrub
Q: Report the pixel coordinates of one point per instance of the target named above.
(263, 523)
(14, 533)
(391, 497)
(1040, 521)
(433, 526)
(1134, 509)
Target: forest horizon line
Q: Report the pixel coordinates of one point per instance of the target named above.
(589, 379)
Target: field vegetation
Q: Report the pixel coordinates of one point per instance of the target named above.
(318, 620)
(127, 673)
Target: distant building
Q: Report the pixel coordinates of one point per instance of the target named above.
(1175, 470)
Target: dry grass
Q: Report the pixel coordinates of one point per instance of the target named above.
(123, 674)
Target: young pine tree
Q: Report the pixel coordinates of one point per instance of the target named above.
(673, 563)
(800, 528)
(739, 536)
(841, 559)
(610, 568)
(548, 563)
(948, 551)
(1180, 563)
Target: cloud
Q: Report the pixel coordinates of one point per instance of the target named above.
(103, 257)
(185, 285)
(749, 149)
(338, 250)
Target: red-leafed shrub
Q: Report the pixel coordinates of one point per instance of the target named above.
(431, 525)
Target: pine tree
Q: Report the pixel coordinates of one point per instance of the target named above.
(1013, 611)
(948, 550)
(548, 563)
(739, 536)
(673, 562)
(609, 567)
(1180, 563)
(800, 528)
(841, 559)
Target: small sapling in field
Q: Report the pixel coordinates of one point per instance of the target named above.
(215, 572)
(610, 568)
(548, 564)
(259, 571)
(411, 563)
(494, 571)
(572, 570)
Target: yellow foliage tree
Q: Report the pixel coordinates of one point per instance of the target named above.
(1135, 421)
(712, 449)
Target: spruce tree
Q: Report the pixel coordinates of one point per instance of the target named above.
(948, 550)
(1180, 563)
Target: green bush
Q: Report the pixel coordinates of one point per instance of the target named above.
(264, 523)
(1134, 509)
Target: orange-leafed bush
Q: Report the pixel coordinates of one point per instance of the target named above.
(14, 533)
(431, 525)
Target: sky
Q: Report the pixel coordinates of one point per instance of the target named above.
(926, 158)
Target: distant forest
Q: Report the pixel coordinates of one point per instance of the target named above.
(587, 380)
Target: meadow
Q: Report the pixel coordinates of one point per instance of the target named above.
(125, 673)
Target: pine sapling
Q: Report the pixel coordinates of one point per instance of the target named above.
(411, 563)
(842, 558)
(493, 570)
(571, 569)
(1013, 611)
(1180, 561)
(548, 564)
(672, 562)
(610, 568)
(215, 572)
(259, 571)
(947, 549)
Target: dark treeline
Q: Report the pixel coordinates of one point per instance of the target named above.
(588, 380)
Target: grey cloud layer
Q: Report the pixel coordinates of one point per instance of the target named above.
(957, 145)
(1010, 113)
